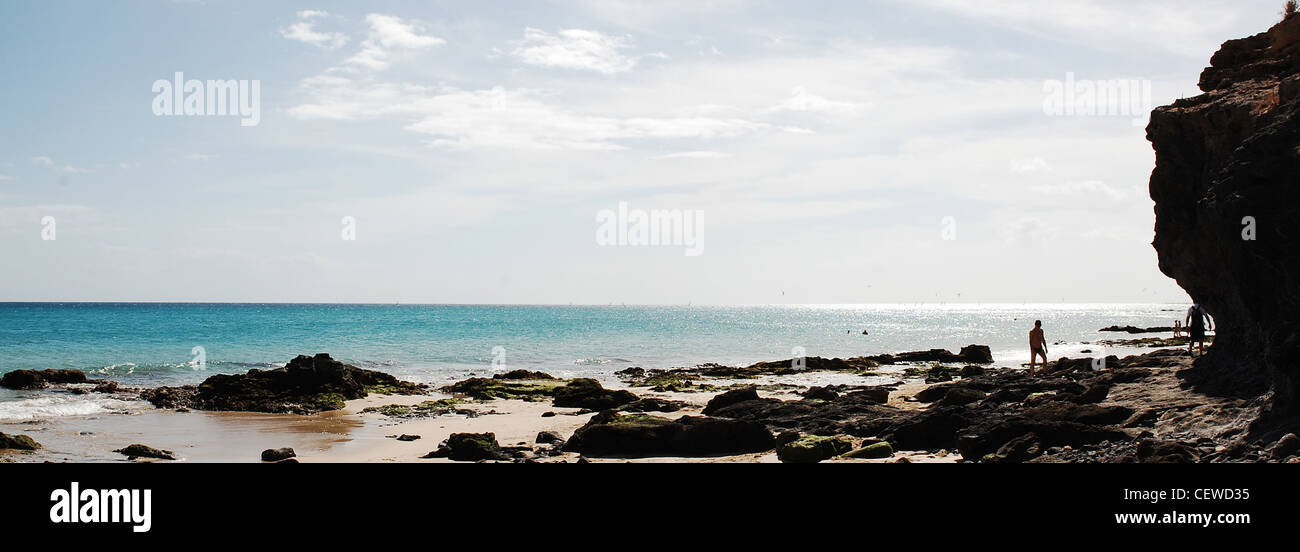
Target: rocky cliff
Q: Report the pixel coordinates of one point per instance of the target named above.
(1227, 200)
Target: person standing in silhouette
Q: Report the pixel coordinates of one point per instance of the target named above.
(1197, 322)
(1037, 346)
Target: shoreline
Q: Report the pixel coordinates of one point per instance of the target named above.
(352, 434)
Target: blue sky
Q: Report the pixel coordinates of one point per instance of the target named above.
(474, 143)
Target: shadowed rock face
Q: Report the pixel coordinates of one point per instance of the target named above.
(306, 385)
(1231, 153)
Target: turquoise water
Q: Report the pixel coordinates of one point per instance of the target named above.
(152, 343)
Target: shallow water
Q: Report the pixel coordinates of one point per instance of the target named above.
(154, 344)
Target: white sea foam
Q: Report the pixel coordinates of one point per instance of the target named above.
(48, 405)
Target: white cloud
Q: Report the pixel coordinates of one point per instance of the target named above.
(1028, 231)
(393, 32)
(502, 118)
(200, 156)
(305, 31)
(576, 49)
(1029, 166)
(695, 155)
(5, 177)
(801, 100)
(388, 33)
(1085, 187)
(64, 169)
(1113, 234)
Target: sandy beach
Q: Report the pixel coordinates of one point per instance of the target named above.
(347, 435)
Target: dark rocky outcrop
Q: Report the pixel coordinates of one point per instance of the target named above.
(1230, 153)
(524, 375)
(144, 451)
(469, 447)
(17, 442)
(40, 379)
(974, 354)
(588, 393)
(729, 398)
(612, 434)
(486, 389)
(548, 437)
(276, 455)
(1137, 330)
(651, 404)
(306, 385)
(813, 448)
(880, 449)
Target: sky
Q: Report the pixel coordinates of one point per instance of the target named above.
(464, 152)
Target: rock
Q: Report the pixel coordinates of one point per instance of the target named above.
(588, 393)
(39, 379)
(1095, 393)
(1150, 451)
(545, 437)
(548, 414)
(988, 435)
(853, 413)
(287, 461)
(306, 385)
(486, 389)
(959, 396)
(875, 450)
(820, 393)
(878, 395)
(1136, 330)
(107, 387)
(633, 372)
(473, 446)
(276, 455)
(144, 451)
(705, 436)
(1288, 445)
(408, 437)
(788, 436)
(17, 442)
(933, 429)
(976, 353)
(1079, 413)
(469, 447)
(651, 404)
(729, 398)
(524, 375)
(932, 393)
(1020, 449)
(971, 370)
(813, 448)
(612, 434)
(171, 397)
(1221, 157)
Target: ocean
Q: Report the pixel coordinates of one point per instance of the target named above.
(149, 344)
